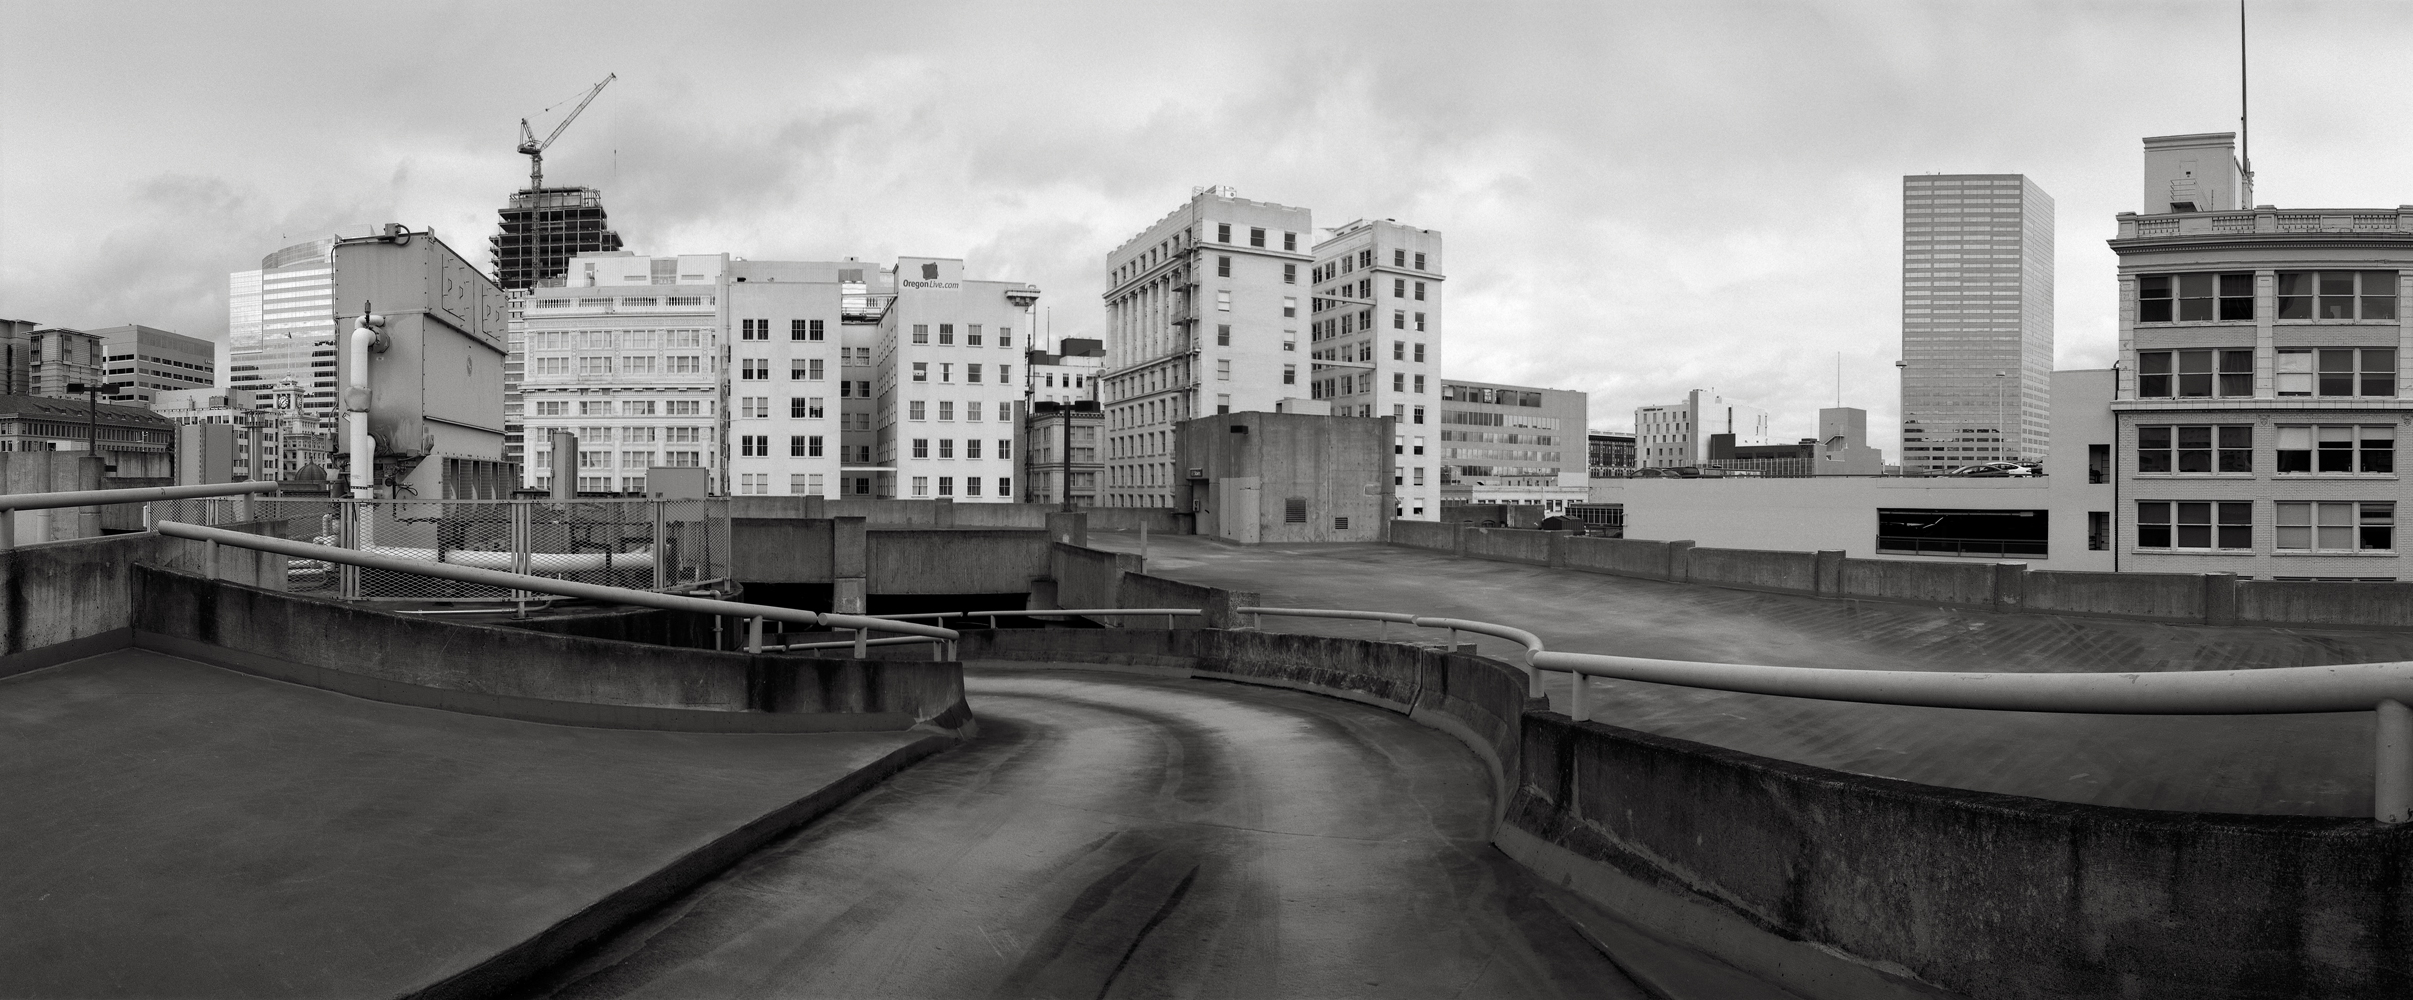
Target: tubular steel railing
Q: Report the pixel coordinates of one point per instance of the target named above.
(756, 614)
(2385, 689)
(13, 502)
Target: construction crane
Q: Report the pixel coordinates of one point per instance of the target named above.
(536, 150)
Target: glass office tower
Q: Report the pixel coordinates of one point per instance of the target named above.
(1977, 320)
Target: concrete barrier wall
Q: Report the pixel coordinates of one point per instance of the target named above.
(948, 514)
(1754, 569)
(1424, 535)
(1989, 896)
(1088, 578)
(780, 549)
(523, 674)
(1508, 545)
(71, 599)
(1966, 584)
(1618, 556)
(960, 561)
(2272, 602)
(2157, 596)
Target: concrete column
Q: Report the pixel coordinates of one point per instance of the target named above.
(1830, 573)
(1219, 613)
(1679, 561)
(813, 508)
(2220, 598)
(1068, 526)
(849, 569)
(2010, 586)
(942, 512)
(1558, 549)
(1457, 539)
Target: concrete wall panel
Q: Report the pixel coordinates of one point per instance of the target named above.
(1618, 556)
(2160, 596)
(1966, 584)
(1985, 895)
(1755, 569)
(958, 561)
(519, 673)
(1508, 545)
(1424, 534)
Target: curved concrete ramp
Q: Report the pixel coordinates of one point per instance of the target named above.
(1121, 835)
(178, 830)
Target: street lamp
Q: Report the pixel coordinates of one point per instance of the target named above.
(92, 397)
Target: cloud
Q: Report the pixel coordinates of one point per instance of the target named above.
(1638, 198)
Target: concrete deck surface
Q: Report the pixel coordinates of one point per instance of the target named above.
(2317, 765)
(173, 829)
(1113, 835)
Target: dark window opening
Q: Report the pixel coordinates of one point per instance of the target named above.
(1977, 533)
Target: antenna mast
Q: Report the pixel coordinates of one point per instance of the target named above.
(2245, 111)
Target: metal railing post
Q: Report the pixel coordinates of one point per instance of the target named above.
(754, 635)
(2392, 766)
(8, 529)
(1579, 704)
(863, 642)
(347, 536)
(661, 531)
(209, 558)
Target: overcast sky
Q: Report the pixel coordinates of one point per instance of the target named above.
(1638, 199)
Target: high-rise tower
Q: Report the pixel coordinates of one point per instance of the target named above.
(1977, 319)
(543, 229)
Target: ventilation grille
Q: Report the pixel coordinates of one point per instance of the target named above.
(1294, 510)
(1340, 524)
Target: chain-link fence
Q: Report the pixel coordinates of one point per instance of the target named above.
(640, 544)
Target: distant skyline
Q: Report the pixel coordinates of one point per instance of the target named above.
(1640, 199)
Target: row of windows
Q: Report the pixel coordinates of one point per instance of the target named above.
(946, 448)
(946, 372)
(627, 435)
(1223, 269)
(639, 340)
(946, 486)
(2366, 448)
(1363, 319)
(675, 364)
(2306, 526)
(2229, 373)
(1256, 236)
(1350, 385)
(1365, 258)
(1498, 397)
(626, 407)
(2208, 297)
(601, 459)
(798, 329)
(972, 335)
(916, 409)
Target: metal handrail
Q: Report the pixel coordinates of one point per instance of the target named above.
(992, 616)
(13, 502)
(2383, 688)
(756, 613)
(137, 494)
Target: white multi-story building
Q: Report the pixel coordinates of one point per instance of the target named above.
(630, 356)
(1676, 435)
(1376, 342)
(786, 378)
(1066, 375)
(2262, 389)
(1203, 315)
(948, 404)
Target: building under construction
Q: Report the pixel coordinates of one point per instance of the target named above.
(543, 228)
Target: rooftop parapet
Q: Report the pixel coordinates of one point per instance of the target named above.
(2266, 220)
